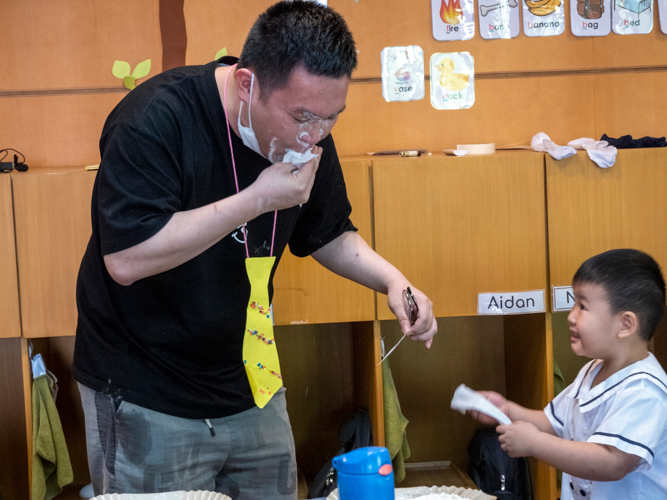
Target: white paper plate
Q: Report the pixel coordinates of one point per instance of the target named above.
(421, 491)
(173, 495)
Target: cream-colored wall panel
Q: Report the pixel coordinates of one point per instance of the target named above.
(10, 325)
(457, 227)
(632, 103)
(212, 25)
(592, 210)
(52, 213)
(306, 292)
(618, 51)
(57, 129)
(73, 44)
(506, 111)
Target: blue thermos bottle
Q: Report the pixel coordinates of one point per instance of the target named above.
(365, 474)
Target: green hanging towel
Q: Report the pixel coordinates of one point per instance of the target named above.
(394, 425)
(51, 467)
(559, 380)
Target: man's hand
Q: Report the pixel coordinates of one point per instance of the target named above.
(426, 326)
(518, 439)
(498, 400)
(282, 185)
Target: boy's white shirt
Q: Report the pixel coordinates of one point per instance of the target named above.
(627, 411)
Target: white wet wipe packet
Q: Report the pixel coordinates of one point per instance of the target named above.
(466, 399)
(298, 159)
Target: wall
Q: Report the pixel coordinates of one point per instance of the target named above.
(57, 88)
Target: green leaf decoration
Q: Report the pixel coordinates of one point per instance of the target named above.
(221, 53)
(142, 69)
(121, 69)
(128, 81)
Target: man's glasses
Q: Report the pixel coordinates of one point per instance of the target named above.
(411, 308)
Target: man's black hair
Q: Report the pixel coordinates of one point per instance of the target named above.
(632, 281)
(298, 33)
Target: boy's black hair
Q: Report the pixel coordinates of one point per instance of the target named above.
(632, 281)
(298, 33)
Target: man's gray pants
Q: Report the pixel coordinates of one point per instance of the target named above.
(135, 450)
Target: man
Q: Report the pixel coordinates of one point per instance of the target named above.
(192, 208)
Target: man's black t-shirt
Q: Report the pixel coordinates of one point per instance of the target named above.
(173, 342)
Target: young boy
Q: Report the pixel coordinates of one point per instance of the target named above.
(607, 431)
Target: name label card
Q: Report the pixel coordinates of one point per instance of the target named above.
(511, 302)
(563, 298)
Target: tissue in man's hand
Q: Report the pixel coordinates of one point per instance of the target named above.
(466, 399)
(298, 159)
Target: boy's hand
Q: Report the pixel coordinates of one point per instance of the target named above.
(518, 439)
(498, 400)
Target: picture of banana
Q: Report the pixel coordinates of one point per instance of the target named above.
(542, 7)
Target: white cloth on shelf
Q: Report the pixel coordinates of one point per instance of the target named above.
(543, 144)
(600, 152)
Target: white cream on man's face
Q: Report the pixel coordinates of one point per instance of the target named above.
(311, 131)
(299, 115)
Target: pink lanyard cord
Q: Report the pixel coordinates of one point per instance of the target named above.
(236, 180)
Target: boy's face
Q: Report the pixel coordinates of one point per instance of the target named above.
(591, 322)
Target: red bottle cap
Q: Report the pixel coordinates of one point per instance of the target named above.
(385, 470)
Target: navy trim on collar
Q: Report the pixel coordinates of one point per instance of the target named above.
(583, 379)
(626, 440)
(551, 405)
(618, 383)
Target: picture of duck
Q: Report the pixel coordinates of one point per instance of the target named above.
(450, 80)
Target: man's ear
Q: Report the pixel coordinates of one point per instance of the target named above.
(243, 83)
(629, 324)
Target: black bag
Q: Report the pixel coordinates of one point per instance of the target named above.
(355, 432)
(494, 471)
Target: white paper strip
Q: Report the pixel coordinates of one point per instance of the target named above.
(453, 19)
(562, 298)
(511, 302)
(662, 9)
(632, 17)
(543, 17)
(590, 17)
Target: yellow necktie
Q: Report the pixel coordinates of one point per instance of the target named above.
(260, 355)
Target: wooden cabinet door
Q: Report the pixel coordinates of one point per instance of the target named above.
(305, 292)
(10, 325)
(52, 214)
(592, 210)
(460, 226)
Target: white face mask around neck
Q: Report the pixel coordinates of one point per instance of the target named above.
(247, 133)
(250, 140)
